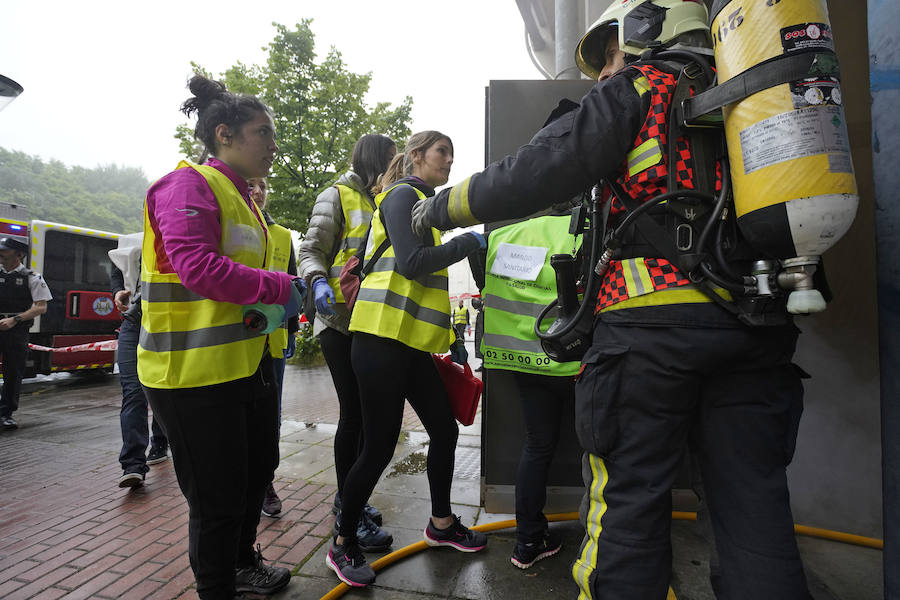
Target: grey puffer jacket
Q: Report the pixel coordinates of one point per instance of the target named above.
(321, 244)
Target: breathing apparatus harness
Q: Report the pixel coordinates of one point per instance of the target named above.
(712, 261)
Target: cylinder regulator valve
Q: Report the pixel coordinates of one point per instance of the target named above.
(798, 276)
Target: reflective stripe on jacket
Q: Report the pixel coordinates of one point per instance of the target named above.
(187, 340)
(511, 304)
(415, 312)
(357, 212)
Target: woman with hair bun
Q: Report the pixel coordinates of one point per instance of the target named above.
(205, 367)
(337, 228)
(401, 317)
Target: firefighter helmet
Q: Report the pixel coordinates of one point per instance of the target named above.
(638, 23)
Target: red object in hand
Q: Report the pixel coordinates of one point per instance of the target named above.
(463, 388)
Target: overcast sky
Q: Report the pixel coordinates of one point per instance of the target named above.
(103, 80)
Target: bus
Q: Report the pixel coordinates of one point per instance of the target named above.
(75, 264)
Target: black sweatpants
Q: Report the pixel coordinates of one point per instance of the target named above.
(642, 392)
(543, 399)
(224, 441)
(389, 373)
(349, 435)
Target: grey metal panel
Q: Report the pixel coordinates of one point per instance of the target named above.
(515, 112)
(884, 65)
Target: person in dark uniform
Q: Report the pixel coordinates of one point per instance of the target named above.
(23, 296)
(667, 359)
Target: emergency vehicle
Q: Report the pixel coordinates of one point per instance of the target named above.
(75, 265)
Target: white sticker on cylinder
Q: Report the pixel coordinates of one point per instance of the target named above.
(818, 222)
(795, 134)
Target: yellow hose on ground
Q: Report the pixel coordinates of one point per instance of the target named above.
(389, 559)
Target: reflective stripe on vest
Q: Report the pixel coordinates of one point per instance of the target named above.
(187, 340)
(357, 210)
(415, 312)
(281, 257)
(647, 281)
(511, 305)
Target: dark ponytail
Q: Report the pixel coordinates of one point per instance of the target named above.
(215, 105)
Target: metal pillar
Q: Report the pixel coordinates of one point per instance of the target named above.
(567, 36)
(884, 69)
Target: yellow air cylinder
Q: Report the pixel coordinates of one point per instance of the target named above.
(794, 190)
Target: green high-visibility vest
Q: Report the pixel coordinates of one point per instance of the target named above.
(519, 283)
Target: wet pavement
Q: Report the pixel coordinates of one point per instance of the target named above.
(67, 530)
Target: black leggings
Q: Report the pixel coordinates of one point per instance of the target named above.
(389, 372)
(348, 438)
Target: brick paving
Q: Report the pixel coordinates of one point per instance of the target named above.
(67, 531)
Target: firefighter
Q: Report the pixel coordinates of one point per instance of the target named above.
(665, 357)
(23, 296)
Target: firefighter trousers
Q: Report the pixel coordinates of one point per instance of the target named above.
(642, 393)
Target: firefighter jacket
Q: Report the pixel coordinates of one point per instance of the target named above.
(337, 228)
(614, 133)
(414, 311)
(519, 283)
(187, 340)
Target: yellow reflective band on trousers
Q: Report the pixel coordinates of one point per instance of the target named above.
(357, 210)
(281, 257)
(511, 303)
(415, 312)
(187, 340)
(644, 156)
(586, 561)
(458, 205)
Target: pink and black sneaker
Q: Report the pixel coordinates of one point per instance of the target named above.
(456, 536)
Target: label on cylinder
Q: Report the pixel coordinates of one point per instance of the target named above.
(806, 36)
(797, 134)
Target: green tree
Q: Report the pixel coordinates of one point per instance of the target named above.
(320, 112)
(108, 197)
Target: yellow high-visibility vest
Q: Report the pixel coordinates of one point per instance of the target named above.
(415, 312)
(461, 316)
(187, 340)
(357, 209)
(281, 257)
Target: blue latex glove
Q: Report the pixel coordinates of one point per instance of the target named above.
(324, 296)
(292, 306)
(292, 346)
(481, 241)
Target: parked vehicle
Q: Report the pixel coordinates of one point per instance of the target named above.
(75, 264)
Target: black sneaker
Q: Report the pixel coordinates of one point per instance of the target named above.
(370, 510)
(349, 564)
(456, 536)
(8, 423)
(157, 455)
(525, 555)
(259, 578)
(131, 479)
(370, 537)
(272, 503)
